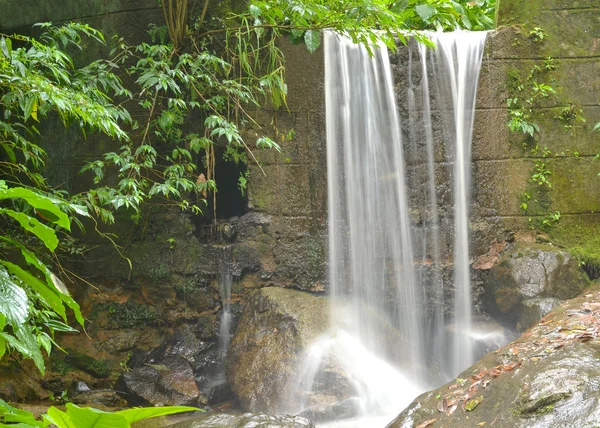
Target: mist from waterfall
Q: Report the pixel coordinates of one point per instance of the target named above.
(400, 323)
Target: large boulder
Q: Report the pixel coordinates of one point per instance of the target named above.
(527, 281)
(276, 326)
(549, 377)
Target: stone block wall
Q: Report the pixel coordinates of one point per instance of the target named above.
(502, 168)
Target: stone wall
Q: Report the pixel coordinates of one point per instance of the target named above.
(502, 169)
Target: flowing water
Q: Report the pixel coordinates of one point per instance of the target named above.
(225, 285)
(398, 185)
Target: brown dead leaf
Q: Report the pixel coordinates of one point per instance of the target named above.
(451, 410)
(427, 423)
(442, 406)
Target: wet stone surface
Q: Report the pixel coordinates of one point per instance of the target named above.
(548, 378)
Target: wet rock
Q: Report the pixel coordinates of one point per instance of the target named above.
(183, 344)
(120, 341)
(247, 420)
(79, 387)
(301, 263)
(170, 383)
(105, 398)
(211, 378)
(345, 409)
(275, 327)
(535, 309)
(529, 271)
(548, 378)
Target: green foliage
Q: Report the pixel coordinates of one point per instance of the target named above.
(83, 417)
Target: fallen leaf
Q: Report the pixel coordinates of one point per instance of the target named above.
(442, 406)
(451, 410)
(480, 424)
(470, 406)
(427, 423)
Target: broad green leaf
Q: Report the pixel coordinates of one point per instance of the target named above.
(46, 234)
(426, 11)
(52, 299)
(23, 421)
(134, 415)
(87, 417)
(59, 418)
(25, 343)
(14, 304)
(41, 203)
(312, 38)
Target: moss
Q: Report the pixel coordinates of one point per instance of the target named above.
(581, 237)
(59, 365)
(88, 364)
(125, 315)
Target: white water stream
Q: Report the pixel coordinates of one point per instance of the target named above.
(398, 327)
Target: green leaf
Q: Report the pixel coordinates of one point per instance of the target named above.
(2, 341)
(46, 293)
(87, 417)
(59, 418)
(26, 343)
(254, 11)
(46, 234)
(134, 415)
(6, 47)
(42, 203)
(312, 38)
(14, 304)
(426, 11)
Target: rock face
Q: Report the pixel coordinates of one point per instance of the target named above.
(549, 377)
(275, 327)
(247, 420)
(183, 370)
(527, 281)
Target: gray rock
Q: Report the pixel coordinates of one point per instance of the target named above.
(345, 409)
(536, 309)
(525, 272)
(247, 420)
(170, 383)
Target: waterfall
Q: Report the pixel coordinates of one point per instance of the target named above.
(398, 189)
(225, 285)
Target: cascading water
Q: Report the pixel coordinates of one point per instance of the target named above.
(399, 325)
(225, 284)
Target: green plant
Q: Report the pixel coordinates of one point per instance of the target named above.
(83, 417)
(537, 34)
(171, 242)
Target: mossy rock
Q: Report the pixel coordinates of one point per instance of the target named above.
(530, 271)
(88, 364)
(276, 326)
